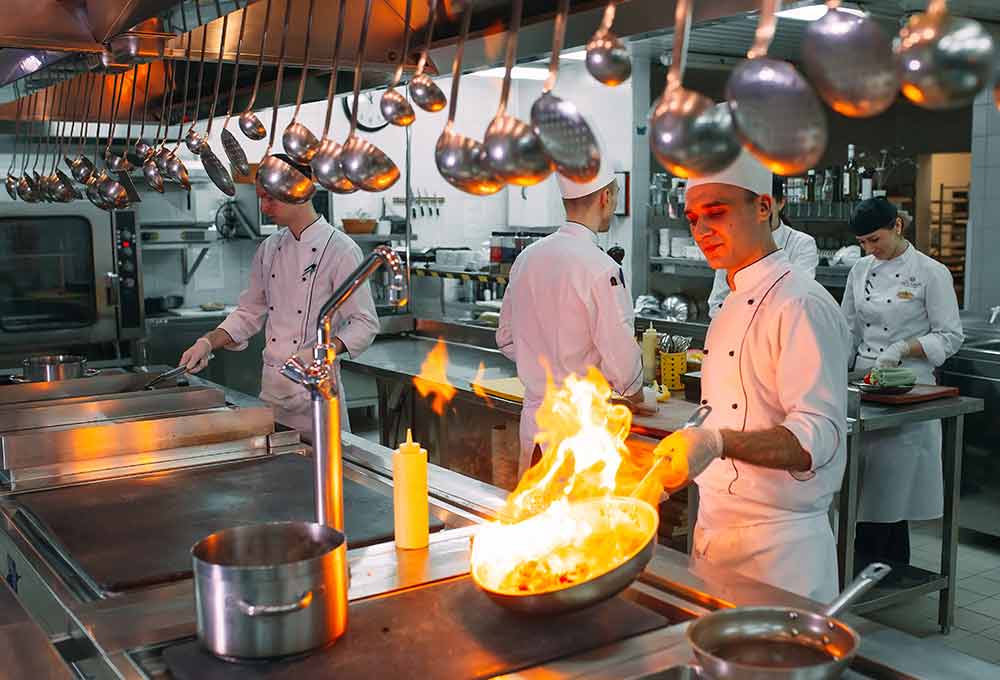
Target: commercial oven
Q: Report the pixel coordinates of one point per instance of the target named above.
(69, 276)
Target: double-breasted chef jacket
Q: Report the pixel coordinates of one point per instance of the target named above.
(885, 301)
(566, 309)
(776, 355)
(290, 280)
(798, 246)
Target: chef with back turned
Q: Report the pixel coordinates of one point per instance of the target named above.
(771, 454)
(567, 309)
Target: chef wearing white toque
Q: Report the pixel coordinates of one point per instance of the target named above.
(771, 455)
(567, 309)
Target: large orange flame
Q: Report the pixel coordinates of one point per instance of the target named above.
(433, 378)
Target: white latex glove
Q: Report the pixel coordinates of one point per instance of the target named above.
(699, 445)
(197, 356)
(893, 355)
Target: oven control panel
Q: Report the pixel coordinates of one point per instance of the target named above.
(127, 257)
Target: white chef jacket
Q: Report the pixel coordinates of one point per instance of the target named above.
(776, 355)
(910, 296)
(798, 246)
(290, 280)
(566, 309)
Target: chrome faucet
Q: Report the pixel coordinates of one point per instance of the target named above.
(994, 313)
(320, 378)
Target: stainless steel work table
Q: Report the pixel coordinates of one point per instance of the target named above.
(27, 650)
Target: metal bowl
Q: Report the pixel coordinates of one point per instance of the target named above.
(594, 590)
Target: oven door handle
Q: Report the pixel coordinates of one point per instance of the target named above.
(114, 289)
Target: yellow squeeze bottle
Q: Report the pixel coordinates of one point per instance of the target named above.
(649, 340)
(409, 494)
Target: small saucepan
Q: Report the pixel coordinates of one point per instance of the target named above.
(780, 643)
(50, 367)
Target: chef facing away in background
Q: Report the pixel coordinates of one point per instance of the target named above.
(567, 309)
(799, 247)
(294, 272)
(902, 310)
(771, 454)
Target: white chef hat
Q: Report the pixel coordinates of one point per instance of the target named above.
(745, 172)
(570, 189)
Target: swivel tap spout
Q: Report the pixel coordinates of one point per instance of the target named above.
(320, 378)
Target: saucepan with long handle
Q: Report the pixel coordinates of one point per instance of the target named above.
(781, 643)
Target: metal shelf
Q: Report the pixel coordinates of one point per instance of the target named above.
(835, 277)
(439, 272)
(381, 238)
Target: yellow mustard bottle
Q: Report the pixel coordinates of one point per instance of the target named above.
(409, 495)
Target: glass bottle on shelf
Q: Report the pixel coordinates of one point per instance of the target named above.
(851, 180)
(811, 186)
(867, 183)
(826, 190)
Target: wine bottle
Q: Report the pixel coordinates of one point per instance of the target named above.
(850, 179)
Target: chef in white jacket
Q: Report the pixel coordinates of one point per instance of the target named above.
(799, 246)
(902, 310)
(294, 272)
(566, 307)
(771, 454)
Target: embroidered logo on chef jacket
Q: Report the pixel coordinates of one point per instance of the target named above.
(904, 295)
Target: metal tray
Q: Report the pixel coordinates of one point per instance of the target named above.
(878, 389)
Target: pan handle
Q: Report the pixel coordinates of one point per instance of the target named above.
(871, 575)
(275, 609)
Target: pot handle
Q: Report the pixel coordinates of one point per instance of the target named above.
(275, 609)
(871, 575)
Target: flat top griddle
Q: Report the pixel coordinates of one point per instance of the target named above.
(137, 532)
(446, 630)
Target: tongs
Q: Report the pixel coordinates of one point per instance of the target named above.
(166, 375)
(694, 420)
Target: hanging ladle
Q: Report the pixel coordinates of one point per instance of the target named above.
(299, 142)
(513, 151)
(393, 104)
(97, 177)
(112, 190)
(11, 182)
(326, 165)
(606, 58)
(26, 189)
(250, 124)
(564, 132)
(119, 165)
(162, 153)
(122, 163)
(425, 92)
(849, 61)
(234, 152)
(459, 158)
(141, 149)
(213, 166)
(81, 168)
(776, 113)
(70, 193)
(150, 170)
(945, 60)
(275, 176)
(192, 140)
(61, 186)
(689, 135)
(367, 166)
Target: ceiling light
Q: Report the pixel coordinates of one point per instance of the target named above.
(517, 73)
(814, 12)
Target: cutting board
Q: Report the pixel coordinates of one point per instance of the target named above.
(505, 388)
(918, 394)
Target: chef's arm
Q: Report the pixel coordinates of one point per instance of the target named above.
(776, 448)
(946, 335)
(505, 329)
(847, 306)
(613, 329)
(219, 338)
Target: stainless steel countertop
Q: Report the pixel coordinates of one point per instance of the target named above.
(27, 651)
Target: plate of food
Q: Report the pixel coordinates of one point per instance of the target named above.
(887, 381)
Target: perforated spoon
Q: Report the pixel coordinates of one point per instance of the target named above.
(250, 124)
(564, 132)
(424, 91)
(326, 165)
(607, 59)
(945, 60)
(460, 159)
(849, 61)
(393, 105)
(777, 114)
(275, 176)
(513, 151)
(234, 152)
(689, 135)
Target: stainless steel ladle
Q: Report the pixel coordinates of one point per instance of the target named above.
(299, 142)
(367, 166)
(326, 165)
(564, 132)
(234, 152)
(61, 186)
(945, 60)
(111, 189)
(424, 91)
(97, 177)
(849, 61)
(172, 166)
(81, 168)
(513, 151)
(689, 135)
(460, 159)
(192, 140)
(26, 189)
(275, 176)
(11, 181)
(150, 169)
(250, 124)
(607, 59)
(777, 114)
(115, 162)
(217, 172)
(393, 104)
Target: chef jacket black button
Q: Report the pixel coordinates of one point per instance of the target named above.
(750, 301)
(279, 247)
(272, 276)
(300, 311)
(886, 330)
(314, 250)
(732, 353)
(888, 301)
(868, 325)
(735, 406)
(704, 352)
(274, 339)
(880, 349)
(295, 341)
(303, 280)
(868, 299)
(873, 275)
(704, 402)
(271, 308)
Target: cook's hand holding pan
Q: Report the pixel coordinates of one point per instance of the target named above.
(672, 468)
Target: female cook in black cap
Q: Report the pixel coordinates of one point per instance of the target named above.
(902, 311)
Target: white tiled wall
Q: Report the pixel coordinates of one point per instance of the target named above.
(982, 284)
